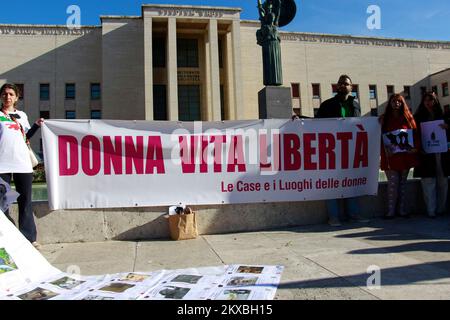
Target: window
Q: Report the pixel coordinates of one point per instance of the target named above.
(187, 53)
(159, 102)
(21, 90)
(295, 87)
(334, 89)
(316, 112)
(44, 92)
(390, 91)
(407, 92)
(189, 103)
(220, 53)
(96, 114)
(70, 114)
(423, 90)
(373, 92)
(374, 112)
(316, 90)
(70, 91)
(159, 52)
(434, 89)
(355, 91)
(222, 102)
(445, 89)
(44, 114)
(96, 93)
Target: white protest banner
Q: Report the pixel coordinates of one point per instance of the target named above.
(398, 141)
(434, 138)
(109, 163)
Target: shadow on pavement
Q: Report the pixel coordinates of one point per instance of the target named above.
(405, 275)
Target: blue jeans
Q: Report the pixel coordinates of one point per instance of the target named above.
(351, 207)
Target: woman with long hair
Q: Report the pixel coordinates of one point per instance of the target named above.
(398, 154)
(15, 162)
(434, 167)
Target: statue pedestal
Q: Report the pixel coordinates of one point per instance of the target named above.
(275, 103)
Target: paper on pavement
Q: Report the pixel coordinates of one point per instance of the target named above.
(26, 275)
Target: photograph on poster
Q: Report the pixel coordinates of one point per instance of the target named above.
(398, 141)
(236, 294)
(7, 264)
(172, 292)
(135, 277)
(117, 287)
(67, 283)
(250, 269)
(38, 294)
(242, 281)
(186, 278)
(254, 269)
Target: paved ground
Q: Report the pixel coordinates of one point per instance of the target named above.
(320, 262)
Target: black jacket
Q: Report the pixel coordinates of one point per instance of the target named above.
(427, 161)
(32, 130)
(331, 108)
(447, 121)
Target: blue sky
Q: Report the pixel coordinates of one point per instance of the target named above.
(414, 19)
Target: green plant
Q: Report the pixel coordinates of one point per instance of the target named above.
(39, 173)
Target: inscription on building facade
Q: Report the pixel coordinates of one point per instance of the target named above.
(203, 13)
(43, 31)
(365, 42)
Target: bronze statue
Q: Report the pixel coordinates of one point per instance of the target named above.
(273, 14)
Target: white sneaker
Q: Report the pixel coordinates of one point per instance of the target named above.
(36, 244)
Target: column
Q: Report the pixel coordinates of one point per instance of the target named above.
(172, 70)
(148, 67)
(229, 76)
(237, 74)
(214, 71)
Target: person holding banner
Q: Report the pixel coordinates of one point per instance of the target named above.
(398, 151)
(433, 168)
(447, 121)
(15, 162)
(341, 106)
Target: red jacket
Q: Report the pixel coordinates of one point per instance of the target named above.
(399, 161)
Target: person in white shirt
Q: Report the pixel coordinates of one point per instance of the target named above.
(15, 162)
